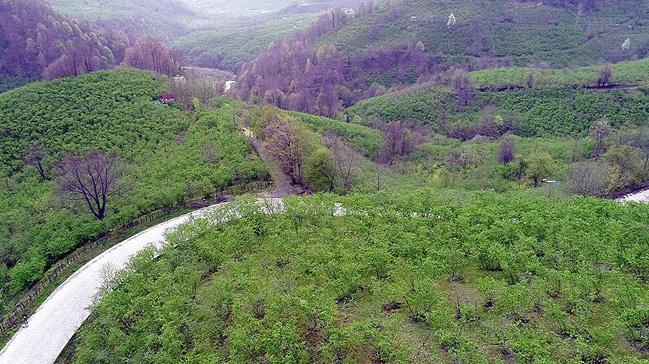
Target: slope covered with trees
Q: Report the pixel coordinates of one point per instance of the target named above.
(416, 277)
(83, 155)
(512, 127)
(347, 57)
(229, 48)
(159, 18)
(35, 42)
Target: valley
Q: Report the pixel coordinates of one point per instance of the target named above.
(349, 181)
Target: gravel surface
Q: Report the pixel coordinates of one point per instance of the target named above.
(642, 196)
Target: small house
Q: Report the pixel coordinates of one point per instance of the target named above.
(166, 98)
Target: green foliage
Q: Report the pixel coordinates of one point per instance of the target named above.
(542, 111)
(365, 140)
(167, 157)
(229, 48)
(625, 73)
(398, 279)
(8, 82)
(518, 33)
(320, 172)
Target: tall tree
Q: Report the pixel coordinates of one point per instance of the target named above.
(151, 54)
(605, 76)
(540, 167)
(286, 144)
(462, 87)
(599, 132)
(397, 141)
(92, 179)
(345, 160)
(507, 151)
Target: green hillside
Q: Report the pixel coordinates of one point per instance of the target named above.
(159, 18)
(228, 48)
(557, 105)
(475, 278)
(166, 157)
(519, 32)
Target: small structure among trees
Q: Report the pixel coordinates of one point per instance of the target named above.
(451, 20)
(626, 45)
(166, 98)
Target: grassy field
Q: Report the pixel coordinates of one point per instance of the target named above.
(479, 278)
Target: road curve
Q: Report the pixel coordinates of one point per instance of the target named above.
(60, 316)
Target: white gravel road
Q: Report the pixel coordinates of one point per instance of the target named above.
(59, 317)
(642, 196)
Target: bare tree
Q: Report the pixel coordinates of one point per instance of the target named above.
(152, 54)
(35, 156)
(462, 87)
(588, 178)
(530, 81)
(605, 76)
(507, 151)
(345, 160)
(398, 141)
(92, 179)
(286, 145)
(641, 141)
(599, 131)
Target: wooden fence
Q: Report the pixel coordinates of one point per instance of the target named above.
(15, 317)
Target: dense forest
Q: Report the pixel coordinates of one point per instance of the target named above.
(35, 42)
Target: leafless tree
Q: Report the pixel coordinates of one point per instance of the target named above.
(588, 178)
(462, 87)
(398, 141)
(92, 179)
(507, 151)
(35, 156)
(641, 141)
(605, 76)
(530, 81)
(345, 160)
(152, 54)
(286, 145)
(599, 131)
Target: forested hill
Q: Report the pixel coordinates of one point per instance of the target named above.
(346, 57)
(160, 18)
(36, 42)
